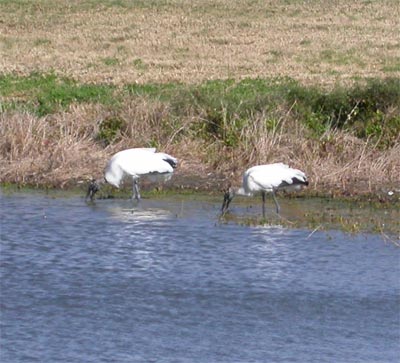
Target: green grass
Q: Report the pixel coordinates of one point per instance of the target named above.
(110, 61)
(391, 65)
(341, 58)
(139, 64)
(369, 110)
(47, 93)
(41, 42)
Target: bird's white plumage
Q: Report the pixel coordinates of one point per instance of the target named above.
(136, 163)
(266, 179)
(271, 177)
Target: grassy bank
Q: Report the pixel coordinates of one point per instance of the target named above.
(220, 84)
(55, 131)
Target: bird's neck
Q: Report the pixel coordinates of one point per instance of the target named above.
(114, 176)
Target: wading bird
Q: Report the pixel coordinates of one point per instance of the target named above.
(135, 163)
(266, 179)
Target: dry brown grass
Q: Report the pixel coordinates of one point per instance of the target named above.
(316, 41)
(55, 150)
(62, 150)
(337, 163)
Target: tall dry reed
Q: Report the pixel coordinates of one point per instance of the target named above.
(64, 149)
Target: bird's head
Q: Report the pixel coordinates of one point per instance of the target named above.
(93, 188)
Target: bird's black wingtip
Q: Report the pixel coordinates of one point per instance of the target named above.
(172, 162)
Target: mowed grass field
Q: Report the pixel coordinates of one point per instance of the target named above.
(222, 85)
(120, 41)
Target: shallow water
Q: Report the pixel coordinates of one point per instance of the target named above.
(166, 282)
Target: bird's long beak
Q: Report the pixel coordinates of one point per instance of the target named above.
(228, 196)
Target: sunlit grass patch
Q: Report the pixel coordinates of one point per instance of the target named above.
(391, 65)
(41, 42)
(191, 42)
(341, 58)
(305, 42)
(9, 43)
(48, 93)
(140, 64)
(110, 61)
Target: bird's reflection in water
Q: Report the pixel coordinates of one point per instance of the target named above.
(140, 213)
(137, 231)
(273, 251)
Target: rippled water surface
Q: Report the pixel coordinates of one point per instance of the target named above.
(165, 282)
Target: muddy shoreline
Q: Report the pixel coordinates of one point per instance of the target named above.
(308, 209)
(214, 183)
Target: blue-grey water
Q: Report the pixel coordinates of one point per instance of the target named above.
(165, 282)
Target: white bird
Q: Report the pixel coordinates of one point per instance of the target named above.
(266, 179)
(135, 163)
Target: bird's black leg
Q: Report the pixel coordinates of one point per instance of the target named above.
(263, 203)
(136, 192)
(278, 208)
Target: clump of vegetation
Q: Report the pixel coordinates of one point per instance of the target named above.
(45, 94)
(225, 108)
(370, 110)
(347, 139)
(110, 130)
